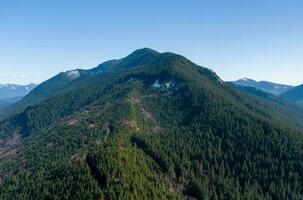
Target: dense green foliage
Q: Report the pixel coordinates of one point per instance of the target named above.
(286, 110)
(42, 92)
(151, 126)
(124, 172)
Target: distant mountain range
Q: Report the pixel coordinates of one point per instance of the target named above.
(266, 86)
(12, 90)
(287, 92)
(11, 93)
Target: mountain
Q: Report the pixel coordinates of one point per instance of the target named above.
(295, 94)
(43, 91)
(8, 91)
(149, 126)
(49, 87)
(265, 86)
(288, 110)
(4, 103)
(11, 93)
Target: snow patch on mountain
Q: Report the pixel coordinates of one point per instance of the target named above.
(164, 85)
(73, 74)
(156, 84)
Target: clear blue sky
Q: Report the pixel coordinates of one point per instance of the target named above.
(260, 39)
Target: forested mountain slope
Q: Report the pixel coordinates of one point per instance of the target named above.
(295, 94)
(4, 103)
(43, 91)
(150, 126)
(286, 110)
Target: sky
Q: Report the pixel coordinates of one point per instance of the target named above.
(259, 39)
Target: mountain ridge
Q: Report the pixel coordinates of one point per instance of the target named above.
(267, 86)
(55, 83)
(150, 127)
(11, 93)
(15, 90)
(295, 94)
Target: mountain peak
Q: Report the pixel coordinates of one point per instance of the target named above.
(140, 53)
(135, 56)
(145, 50)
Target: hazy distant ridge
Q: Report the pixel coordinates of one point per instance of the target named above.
(266, 86)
